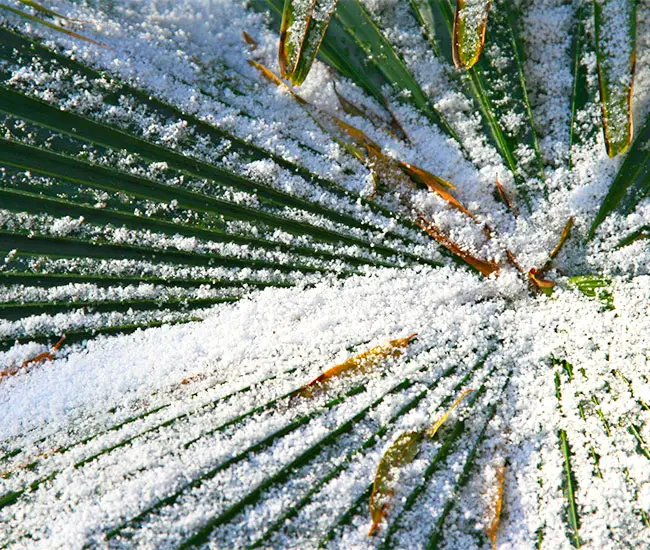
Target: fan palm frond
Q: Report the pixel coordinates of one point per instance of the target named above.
(270, 248)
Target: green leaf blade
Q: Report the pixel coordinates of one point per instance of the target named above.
(631, 184)
(48, 24)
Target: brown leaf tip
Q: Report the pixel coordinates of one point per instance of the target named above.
(544, 285)
(249, 40)
(503, 195)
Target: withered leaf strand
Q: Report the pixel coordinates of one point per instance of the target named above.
(249, 40)
(363, 362)
(495, 509)
(45, 356)
(402, 451)
(393, 126)
(483, 266)
(565, 235)
(505, 198)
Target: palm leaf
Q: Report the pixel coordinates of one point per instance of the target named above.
(69, 186)
(497, 87)
(13, 44)
(109, 224)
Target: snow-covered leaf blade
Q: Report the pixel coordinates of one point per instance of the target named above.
(615, 31)
(304, 24)
(497, 85)
(470, 24)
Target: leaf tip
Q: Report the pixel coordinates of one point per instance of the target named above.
(249, 40)
(374, 527)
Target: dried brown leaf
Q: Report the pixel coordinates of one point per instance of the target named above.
(496, 507)
(483, 266)
(41, 357)
(362, 362)
(542, 284)
(514, 262)
(249, 40)
(505, 198)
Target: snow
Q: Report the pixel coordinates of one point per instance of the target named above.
(193, 428)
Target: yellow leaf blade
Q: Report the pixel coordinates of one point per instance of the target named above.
(470, 24)
(433, 429)
(362, 362)
(401, 452)
(385, 165)
(495, 509)
(419, 174)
